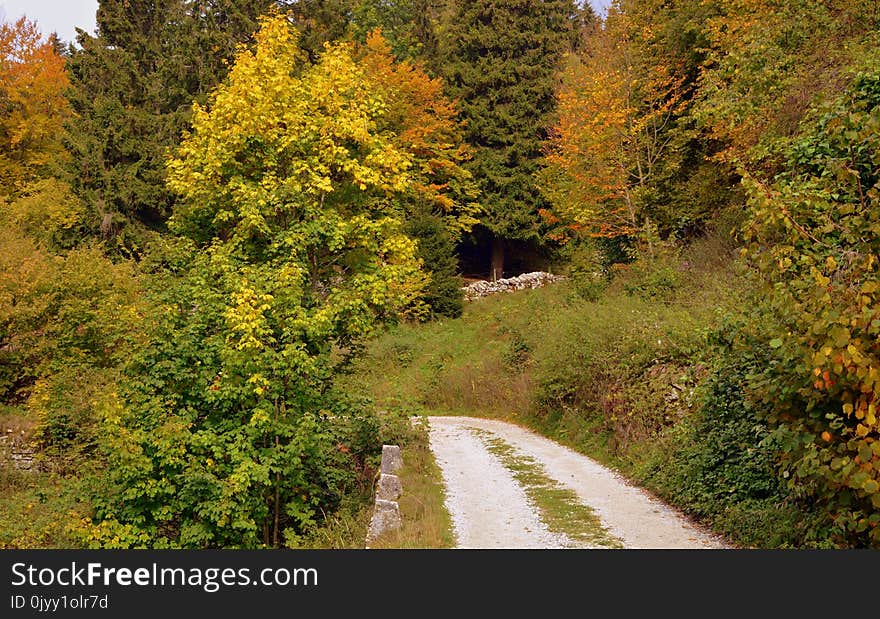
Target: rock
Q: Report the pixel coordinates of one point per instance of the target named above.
(23, 461)
(388, 488)
(17, 452)
(391, 461)
(386, 511)
(386, 517)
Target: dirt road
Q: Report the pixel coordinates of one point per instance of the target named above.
(506, 487)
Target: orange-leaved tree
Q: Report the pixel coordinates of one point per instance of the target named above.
(32, 104)
(440, 202)
(617, 102)
(426, 125)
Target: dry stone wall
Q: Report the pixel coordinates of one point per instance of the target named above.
(15, 450)
(484, 288)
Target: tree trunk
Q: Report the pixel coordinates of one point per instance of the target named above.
(266, 538)
(275, 534)
(497, 258)
(276, 524)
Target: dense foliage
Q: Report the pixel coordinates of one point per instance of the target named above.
(224, 435)
(190, 390)
(814, 238)
(209, 208)
(754, 110)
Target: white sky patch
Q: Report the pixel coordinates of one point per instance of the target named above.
(600, 6)
(61, 16)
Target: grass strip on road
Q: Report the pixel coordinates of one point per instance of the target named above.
(559, 507)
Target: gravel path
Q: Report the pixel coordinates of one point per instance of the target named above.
(490, 510)
(500, 517)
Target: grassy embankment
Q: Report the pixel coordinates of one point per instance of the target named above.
(636, 378)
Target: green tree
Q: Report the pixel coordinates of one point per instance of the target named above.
(132, 87)
(320, 22)
(67, 322)
(409, 25)
(224, 433)
(500, 61)
(55, 304)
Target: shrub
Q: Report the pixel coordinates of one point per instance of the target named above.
(721, 464)
(587, 270)
(814, 237)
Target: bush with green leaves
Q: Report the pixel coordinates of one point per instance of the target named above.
(443, 294)
(66, 323)
(814, 240)
(586, 268)
(720, 464)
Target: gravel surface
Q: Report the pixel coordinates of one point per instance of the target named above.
(490, 510)
(488, 507)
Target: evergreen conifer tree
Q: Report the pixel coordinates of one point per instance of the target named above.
(132, 90)
(500, 59)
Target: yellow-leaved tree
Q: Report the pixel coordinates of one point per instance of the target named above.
(225, 432)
